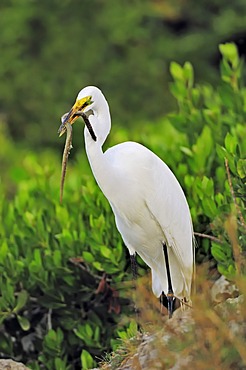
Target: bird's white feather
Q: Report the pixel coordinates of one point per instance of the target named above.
(149, 205)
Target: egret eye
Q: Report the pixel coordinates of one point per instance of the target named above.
(87, 102)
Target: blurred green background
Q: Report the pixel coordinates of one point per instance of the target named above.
(192, 114)
(52, 49)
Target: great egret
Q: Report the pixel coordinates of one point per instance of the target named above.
(150, 208)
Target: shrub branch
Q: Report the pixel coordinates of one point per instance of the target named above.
(233, 194)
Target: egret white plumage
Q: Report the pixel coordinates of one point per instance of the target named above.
(150, 208)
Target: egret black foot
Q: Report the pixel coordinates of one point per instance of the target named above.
(170, 304)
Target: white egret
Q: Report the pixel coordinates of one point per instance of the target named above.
(150, 208)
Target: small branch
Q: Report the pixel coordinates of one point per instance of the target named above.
(183, 302)
(213, 238)
(233, 194)
(49, 320)
(79, 263)
(231, 228)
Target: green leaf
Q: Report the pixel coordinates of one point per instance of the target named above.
(178, 90)
(133, 329)
(60, 364)
(59, 335)
(208, 187)
(89, 330)
(38, 258)
(3, 251)
(222, 153)
(24, 322)
(51, 335)
(209, 207)
(176, 71)
(196, 94)
(218, 253)
(231, 143)
(189, 73)
(187, 151)
(105, 251)
(6, 344)
(98, 266)
(226, 72)
(97, 334)
(229, 52)
(87, 361)
(57, 258)
(80, 334)
(231, 269)
(219, 199)
(21, 300)
(241, 168)
(202, 149)
(88, 257)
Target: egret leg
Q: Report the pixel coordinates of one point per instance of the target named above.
(170, 294)
(134, 266)
(163, 300)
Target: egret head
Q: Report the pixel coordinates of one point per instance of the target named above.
(83, 103)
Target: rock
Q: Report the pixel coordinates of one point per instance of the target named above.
(149, 354)
(182, 321)
(164, 349)
(225, 309)
(223, 289)
(12, 365)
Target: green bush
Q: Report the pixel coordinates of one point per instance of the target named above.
(52, 259)
(214, 123)
(204, 144)
(50, 50)
(57, 309)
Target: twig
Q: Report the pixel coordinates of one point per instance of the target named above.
(49, 321)
(85, 268)
(183, 302)
(233, 194)
(213, 238)
(231, 228)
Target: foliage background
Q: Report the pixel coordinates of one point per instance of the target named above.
(51, 49)
(56, 309)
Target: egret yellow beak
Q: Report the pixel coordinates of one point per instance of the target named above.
(72, 116)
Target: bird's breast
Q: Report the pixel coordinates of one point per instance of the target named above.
(138, 228)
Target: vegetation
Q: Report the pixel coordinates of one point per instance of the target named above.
(58, 310)
(213, 172)
(64, 271)
(52, 259)
(51, 49)
(206, 337)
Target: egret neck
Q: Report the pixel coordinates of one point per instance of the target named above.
(101, 123)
